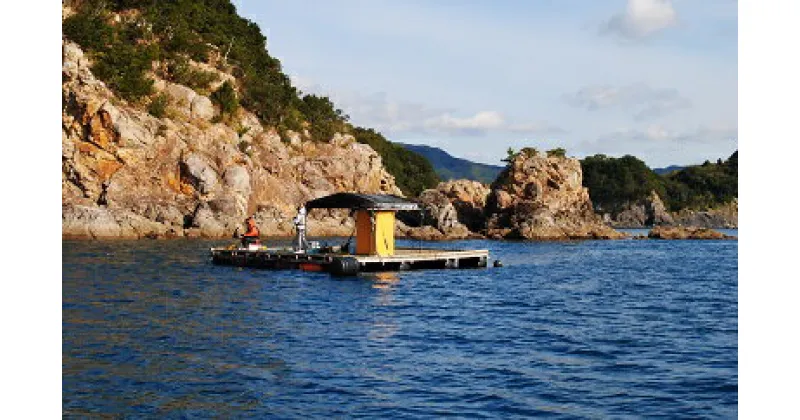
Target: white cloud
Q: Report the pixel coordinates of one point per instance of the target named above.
(644, 101)
(651, 133)
(474, 125)
(486, 121)
(594, 97)
(659, 145)
(539, 127)
(657, 133)
(715, 133)
(376, 110)
(642, 18)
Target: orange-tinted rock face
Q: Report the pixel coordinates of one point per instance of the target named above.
(101, 131)
(126, 173)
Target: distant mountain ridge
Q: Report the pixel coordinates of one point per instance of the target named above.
(448, 166)
(668, 169)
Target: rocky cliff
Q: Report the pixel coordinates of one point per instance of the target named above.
(542, 197)
(652, 212)
(648, 212)
(725, 216)
(452, 210)
(126, 173)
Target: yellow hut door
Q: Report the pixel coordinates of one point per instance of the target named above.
(384, 233)
(375, 233)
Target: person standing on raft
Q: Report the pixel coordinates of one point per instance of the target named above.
(300, 243)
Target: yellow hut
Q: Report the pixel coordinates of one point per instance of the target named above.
(374, 216)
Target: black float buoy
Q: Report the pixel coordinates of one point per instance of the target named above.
(498, 263)
(345, 266)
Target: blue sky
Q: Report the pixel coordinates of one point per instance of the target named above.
(653, 78)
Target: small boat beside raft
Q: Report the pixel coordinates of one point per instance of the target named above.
(375, 249)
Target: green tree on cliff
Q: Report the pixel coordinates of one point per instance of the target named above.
(225, 97)
(324, 117)
(511, 154)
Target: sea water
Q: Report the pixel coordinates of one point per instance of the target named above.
(584, 329)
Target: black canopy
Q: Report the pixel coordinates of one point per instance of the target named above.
(362, 201)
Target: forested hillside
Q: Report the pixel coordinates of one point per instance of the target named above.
(613, 182)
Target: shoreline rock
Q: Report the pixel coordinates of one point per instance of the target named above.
(453, 210)
(648, 212)
(725, 216)
(686, 232)
(652, 212)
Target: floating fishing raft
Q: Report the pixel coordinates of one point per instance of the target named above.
(348, 264)
(375, 249)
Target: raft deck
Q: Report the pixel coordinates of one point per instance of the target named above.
(349, 264)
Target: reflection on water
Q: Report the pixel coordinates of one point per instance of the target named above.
(383, 326)
(383, 280)
(584, 329)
